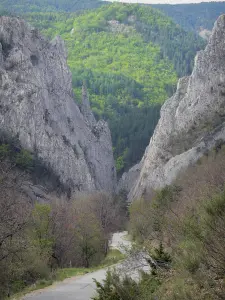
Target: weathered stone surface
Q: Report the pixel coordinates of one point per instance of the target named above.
(192, 121)
(37, 106)
(128, 179)
(35, 193)
(86, 108)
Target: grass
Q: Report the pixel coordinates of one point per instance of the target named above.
(113, 257)
(62, 274)
(57, 276)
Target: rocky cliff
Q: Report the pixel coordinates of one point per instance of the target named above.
(192, 122)
(37, 106)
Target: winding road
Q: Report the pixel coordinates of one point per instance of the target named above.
(79, 287)
(83, 287)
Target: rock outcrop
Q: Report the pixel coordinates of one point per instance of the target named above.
(192, 122)
(128, 179)
(37, 106)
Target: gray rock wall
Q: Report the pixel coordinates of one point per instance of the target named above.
(37, 106)
(192, 121)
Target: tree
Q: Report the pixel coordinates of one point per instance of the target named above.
(88, 232)
(14, 217)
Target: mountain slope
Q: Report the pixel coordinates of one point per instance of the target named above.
(37, 107)
(192, 121)
(194, 16)
(22, 6)
(127, 55)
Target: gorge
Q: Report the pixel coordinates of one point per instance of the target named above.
(60, 201)
(191, 122)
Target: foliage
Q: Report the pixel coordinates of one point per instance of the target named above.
(41, 230)
(147, 221)
(4, 151)
(24, 159)
(28, 162)
(187, 222)
(4, 11)
(189, 256)
(194, 16)
(105, 46)
(18, 6)
(106, 290)
(60, 274)
(53, 276)
(116, 288)
(160, 255)
(112, 257)
(37, 239)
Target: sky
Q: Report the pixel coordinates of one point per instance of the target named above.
(166, 1)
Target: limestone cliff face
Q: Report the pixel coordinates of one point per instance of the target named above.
(37, 106)
(192, 121)
(128, 179)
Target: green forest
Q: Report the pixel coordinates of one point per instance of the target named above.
(22, 6)
(104, 50)
(194, 16)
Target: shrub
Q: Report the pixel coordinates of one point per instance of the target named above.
(115, 287)
(161, 256)
(4, 151)
(188, 218)
(24, 159)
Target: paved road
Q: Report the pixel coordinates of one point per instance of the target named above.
(83, 287)
(76, 288)
(79, 287)
(119, 241)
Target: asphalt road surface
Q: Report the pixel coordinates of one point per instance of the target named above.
(83, 287)
(75, 288)
(79, 287)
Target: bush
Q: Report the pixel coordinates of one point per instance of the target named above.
(161, 256)
(4, 151)
(115, 287)
(24, 159)
(188, 219)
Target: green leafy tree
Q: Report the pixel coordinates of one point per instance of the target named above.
(41, 229)
(24, 159)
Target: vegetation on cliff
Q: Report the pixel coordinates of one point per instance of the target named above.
(21, 6)
(39, 238)
(130, 57)
(194, 16)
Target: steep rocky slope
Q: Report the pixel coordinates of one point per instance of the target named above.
(191, 123)
(104, 49)
(37, 106)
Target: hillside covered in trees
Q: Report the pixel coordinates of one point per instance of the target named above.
(105, 47)
(194, 16)
(21, 6)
